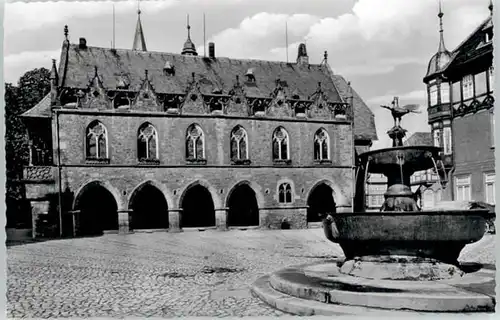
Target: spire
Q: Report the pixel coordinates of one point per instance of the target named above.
(139, 42)
(442, 47)
(53, 72)
(66, 33)
(491, 8)
(189, 47)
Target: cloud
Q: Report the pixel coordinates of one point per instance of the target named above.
(375, 38)
(417, 95)
(16, 64)
(22, 16)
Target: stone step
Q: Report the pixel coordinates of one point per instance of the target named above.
(303, 307)
(293, 282)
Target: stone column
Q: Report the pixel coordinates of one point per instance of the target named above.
(38, 207)
(299, 219)
(123, 221)
(264, 218)
(174, 220)
(221, 218)
(343, 208)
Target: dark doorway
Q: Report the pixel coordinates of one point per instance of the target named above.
(198, 208)
(98, 211)
(320, 203)
(149, 208)
(243, 208)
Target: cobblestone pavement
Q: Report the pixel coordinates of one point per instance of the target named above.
(164, 275)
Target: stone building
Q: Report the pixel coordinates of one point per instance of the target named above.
(136, 139)
(461, 113)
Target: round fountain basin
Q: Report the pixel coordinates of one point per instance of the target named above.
(414, 157)
(437, 235)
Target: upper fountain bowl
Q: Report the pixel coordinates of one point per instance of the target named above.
(415, 157)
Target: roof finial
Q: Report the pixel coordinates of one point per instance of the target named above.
(325, 56)
(146, 74)
(139, 41)
(442, 47)
(189, 47)
(491, 7)
(66, 32)
(53, 71)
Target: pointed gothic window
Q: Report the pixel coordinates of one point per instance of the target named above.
(239, 144)
(195, 143)
(321, 145)
(147, 142)
(96, 141)
(285, 193)
(281, 145)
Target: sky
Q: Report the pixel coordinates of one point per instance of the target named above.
(381, 46)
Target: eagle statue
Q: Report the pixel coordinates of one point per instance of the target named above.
(398, 112)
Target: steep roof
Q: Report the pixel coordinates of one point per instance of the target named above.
(419, 139)
(364, 119)
(471, 43)
(41, 110)
(219, 73)
(77, 69)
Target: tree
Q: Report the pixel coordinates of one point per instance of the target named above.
(31, 89)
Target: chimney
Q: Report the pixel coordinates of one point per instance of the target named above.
(302, 58)
(83, 43)
(211, 50)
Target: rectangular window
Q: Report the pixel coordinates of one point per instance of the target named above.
(437, 138)
(447, 140)
(457, 97)
(433, 95)
(492, 129)
(462, 188)
(445, 92)
(491, 79)
(481, 84)
(468, 86)
(489, 188)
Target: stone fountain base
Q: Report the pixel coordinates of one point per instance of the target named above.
(400, 268)
(323, 289)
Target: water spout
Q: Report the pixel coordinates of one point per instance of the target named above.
(428, 154)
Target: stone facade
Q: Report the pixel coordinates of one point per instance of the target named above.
(171, 94)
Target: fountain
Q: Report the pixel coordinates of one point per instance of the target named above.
(401, 259)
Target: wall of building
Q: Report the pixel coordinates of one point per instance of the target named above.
(173, 176)
(474, 152)
(122, 137)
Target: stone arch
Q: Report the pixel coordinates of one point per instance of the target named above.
(208, 186)
(160, 186)
(201, 211)
(243, 203)
(255, 187)
(106, 184)
(96, 204)
(340, 199)
(321, 200)
(148, 205)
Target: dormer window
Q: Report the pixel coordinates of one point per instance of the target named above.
(168, 69)
(250, 77)
(488, 36)
(122, 84)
